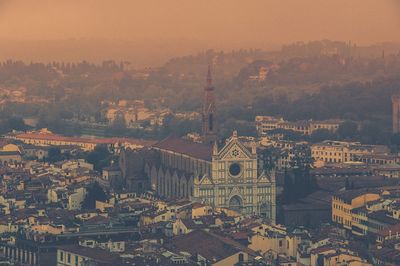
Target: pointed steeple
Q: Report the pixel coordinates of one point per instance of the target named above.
(209, 124)
(209, 85)
(215, 148)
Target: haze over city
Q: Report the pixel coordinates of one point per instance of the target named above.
(200, 133)
(150, 32)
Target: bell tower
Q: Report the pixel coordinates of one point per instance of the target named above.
(209, 125)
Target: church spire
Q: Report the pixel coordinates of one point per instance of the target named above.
(209, 111)
(209, 78)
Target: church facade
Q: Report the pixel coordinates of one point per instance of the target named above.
(229, 177)
(224, 176)
(236, 182)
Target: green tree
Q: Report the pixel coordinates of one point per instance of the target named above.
(370, 133)
(118, 127)
(348, 130)
(94, 192)
(395, 142)
(298, 180)
(16, 123)
(100, 157)
(269, 157)
(321, 135)
(54, 155)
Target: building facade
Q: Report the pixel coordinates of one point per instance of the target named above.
(265, 124)
(345, 203)
(341, 151)
(229, 177)
(237, 182)
(223, 177)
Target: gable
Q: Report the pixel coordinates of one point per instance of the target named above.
(235, 191)
(263, 179)
(206, 181)
(234, 150)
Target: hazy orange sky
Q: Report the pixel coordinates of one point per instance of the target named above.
(223, 24)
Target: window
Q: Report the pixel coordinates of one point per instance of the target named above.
(61, 256)
(69, 258)
(234, 169)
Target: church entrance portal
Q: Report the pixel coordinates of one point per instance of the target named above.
(235, 203)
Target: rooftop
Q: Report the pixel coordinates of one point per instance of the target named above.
(209, 245)
(96, 254)
(186, 147)
(349, 195)
(55, 137)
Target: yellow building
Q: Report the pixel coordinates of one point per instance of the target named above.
(48, 229)
(345, 259)
(274, 238)
(341, 152)
(343, 204)
(156, 217)
(307, 127)
(46, 138)
(331, 125)
(199, 210)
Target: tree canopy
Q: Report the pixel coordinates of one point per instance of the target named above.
(93, 192)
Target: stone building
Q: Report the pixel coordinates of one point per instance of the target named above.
(225, 177)
(228, 176)
(134, 174)
(236, 182)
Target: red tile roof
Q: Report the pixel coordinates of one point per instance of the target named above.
(209, 245)
(55, 137)
(391, 230)
(186, 147)
(102, 256)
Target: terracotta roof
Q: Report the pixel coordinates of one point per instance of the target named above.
(386, 254)
(211, 246)
(99, 255)
(349, 195)
(196, 205)
(391, 230)
(186, 147)
(97, 220)
(242, 235)
(322, 249)
(382, 216)
(55, 137)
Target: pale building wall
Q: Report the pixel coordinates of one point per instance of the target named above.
(341, 211)
(231, 260)
(264, 244)
(75, 199)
